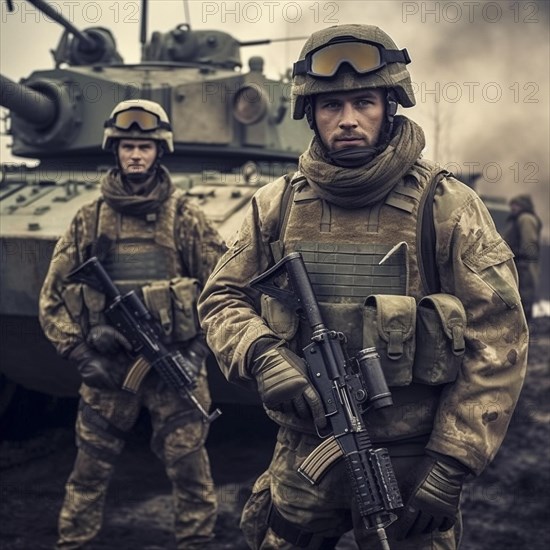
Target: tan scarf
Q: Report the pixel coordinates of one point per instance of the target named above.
(358, 187)
(120, 198)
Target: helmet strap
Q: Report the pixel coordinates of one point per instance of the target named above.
(310, 116)
(391, 110)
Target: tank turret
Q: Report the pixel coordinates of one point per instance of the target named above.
(232, 133)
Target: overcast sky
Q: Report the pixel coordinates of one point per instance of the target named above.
(480, 68)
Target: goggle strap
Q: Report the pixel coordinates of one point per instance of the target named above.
(397, 56)
(300, 67)
(389, 56)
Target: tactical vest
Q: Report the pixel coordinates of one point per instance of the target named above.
(364, 268)
(142, 250)
(136, 252)
(351, 254)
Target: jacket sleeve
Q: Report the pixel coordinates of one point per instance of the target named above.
(228, 309)
(476, 265)
(199, 242)
(60, 302)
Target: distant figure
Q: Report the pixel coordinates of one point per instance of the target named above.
(523, 235)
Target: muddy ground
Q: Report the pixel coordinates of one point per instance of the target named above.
(507, 508)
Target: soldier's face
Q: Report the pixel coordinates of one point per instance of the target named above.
(136, 156)
(349, 119)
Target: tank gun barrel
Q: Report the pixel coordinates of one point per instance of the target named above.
(31, 105)
(266, 41)
(45, 8)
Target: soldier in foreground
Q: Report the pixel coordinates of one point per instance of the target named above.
(152, 240)
(522, 233)
(442, 309)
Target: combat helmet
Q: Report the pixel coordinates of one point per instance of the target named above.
(350, 57)
(138, 119)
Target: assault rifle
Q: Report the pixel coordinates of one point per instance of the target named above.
(346, 387)
(132, 319)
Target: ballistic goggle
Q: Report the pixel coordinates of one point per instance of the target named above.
(364, 56)
(146, 121)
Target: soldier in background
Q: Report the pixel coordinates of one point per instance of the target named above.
(152, 239)
(454, 356)
(522, 233)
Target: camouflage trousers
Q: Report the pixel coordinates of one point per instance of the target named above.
(178, 440)
(326, 509)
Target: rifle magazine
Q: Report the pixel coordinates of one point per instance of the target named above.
(317, 463)
(136, 374)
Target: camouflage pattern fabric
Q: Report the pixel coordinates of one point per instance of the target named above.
(181, 226)
(466, 419)
(178, 440)
(67, 311)
(324, 509)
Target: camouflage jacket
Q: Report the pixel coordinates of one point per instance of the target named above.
(196, 243)
(466, 419)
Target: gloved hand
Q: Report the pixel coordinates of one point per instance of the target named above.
(96, 370)
(435, 498)
(283, 383)
(107, 340)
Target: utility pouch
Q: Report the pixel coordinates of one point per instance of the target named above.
(281, 319)
(184, 293)
(389, 324)
(440, 345)
(157, 300)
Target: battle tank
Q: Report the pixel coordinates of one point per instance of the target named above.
(232, 133)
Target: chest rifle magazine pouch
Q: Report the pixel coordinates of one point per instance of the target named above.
(440, 345)
(173, 304)
(389, 324)
(157, 300)
(184, 293)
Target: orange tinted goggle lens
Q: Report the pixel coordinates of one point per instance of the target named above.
(362, 57)
(146, 121)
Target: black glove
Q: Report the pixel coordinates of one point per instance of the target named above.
(107, 340)
(96, 370)
(283, 384)
(435, 498)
